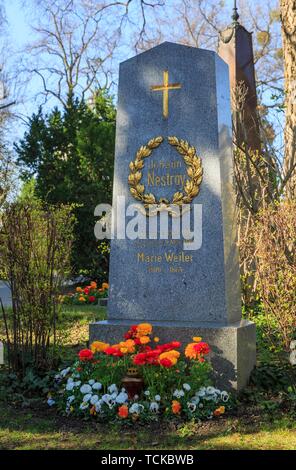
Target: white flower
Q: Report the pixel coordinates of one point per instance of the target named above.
(113, 389)
(201, 392)
(94, 399)
(147, 393)
(210, 390)
(224, 396)
(91, 381)
(57, 377)
(87, 397)
(195, 400)
(136, 408)
(97, 386)
(200, 405)
(114, 395)
(50, 402)
(191, 406)
(178, 393)
(121, 398)
(64, 372)
(293, 358)
(84, 405)
(157, 398)
(98, 406)
(187, 387)
(154, 407)
(107, 398)
(136, 397)
(70, 386)
(70, 399)
(70, 380)
(293, 345)
(85, 388)
(77, 383)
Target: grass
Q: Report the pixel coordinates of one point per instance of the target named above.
(28, 429)
(72, 328)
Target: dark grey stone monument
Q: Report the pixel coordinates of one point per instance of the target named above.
(180, 92)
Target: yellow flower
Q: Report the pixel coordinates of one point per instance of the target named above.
(79, 289)
(196, 339)
(173, 356)
(105, 285)
(127, 346)
(144, 329)
(156, 339)
(144, 339)
(81, 299)
(99, 346)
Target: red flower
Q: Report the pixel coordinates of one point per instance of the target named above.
(139, 359)
(168, 346)
(131, 332)
(85, 355)
(165, 362)
(86, 290)
(113, 352)
(92, 298)
(202, 348)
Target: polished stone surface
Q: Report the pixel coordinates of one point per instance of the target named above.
(207, 288)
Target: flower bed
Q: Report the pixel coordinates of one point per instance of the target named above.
(88, 295)
(174, 384)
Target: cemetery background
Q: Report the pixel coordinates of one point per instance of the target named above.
(271, 388)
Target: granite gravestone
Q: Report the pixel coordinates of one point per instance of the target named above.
(174, 102)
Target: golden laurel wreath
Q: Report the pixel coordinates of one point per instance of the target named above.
(194, 172)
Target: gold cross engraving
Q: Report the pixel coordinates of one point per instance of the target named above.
(165, 87)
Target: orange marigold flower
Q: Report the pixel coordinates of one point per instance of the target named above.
(93, 285)
(156, 339)
(173, 356)
(82, 299)
(144, 339)
(123, 411)
(197, 350)
(130, 345)
(144, 329)
(176, 407)
(105, 285)
(99, 346)
(219, 411)
(79, 289)
(196, 339)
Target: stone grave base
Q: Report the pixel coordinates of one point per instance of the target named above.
(233, 347)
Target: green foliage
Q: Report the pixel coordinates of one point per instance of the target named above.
(273, 377)
(70, 154)
(24, 390)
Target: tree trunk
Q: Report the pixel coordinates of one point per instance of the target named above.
(288, 17)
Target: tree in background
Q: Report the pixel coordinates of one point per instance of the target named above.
(288, 17)
(70, 155)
